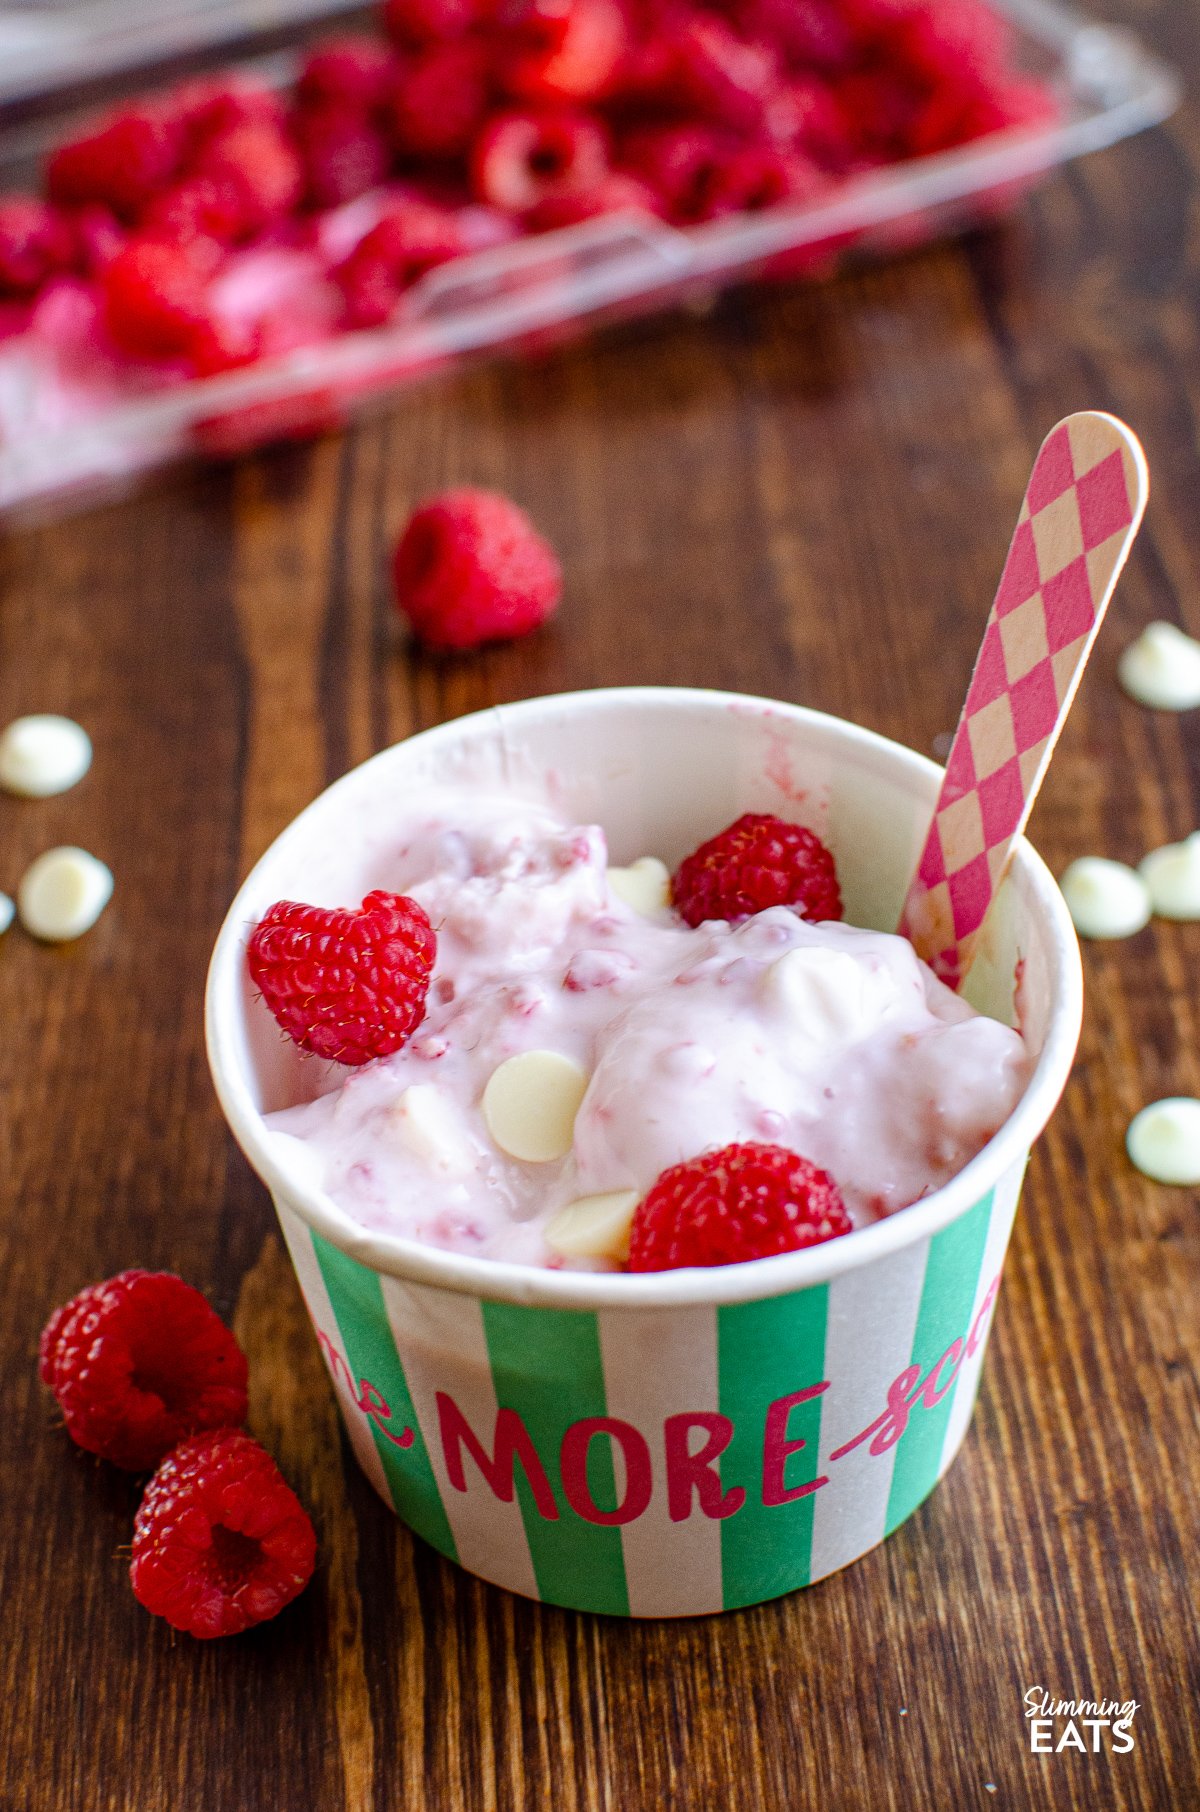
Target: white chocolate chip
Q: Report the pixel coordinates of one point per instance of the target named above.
(424, 1121)
(62, 894)
(1172, 875)
(7, 911)
(1164, 1140)
(824, 993)
(594, 1226)
(530, 1104)
(1105, 899)
(43, 755)
(645, 885)
(1162, 668)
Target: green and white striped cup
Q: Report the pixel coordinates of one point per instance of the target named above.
(690, 1441)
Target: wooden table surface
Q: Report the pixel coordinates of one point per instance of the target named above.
(808, 493)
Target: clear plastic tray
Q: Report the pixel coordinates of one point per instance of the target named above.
(532, 292)
(48, 45)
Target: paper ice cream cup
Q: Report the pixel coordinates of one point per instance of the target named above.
(682, 1442)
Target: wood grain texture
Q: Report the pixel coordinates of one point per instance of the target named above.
(807, 493)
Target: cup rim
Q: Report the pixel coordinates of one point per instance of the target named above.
(502, 1281)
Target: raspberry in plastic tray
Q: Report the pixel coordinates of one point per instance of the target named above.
(232, 263)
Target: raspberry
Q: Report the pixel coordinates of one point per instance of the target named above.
(123, 163)
(99, 236)
(137, 1363)
(739, 1203)
(880, 110)
(874, 21)
(197, 208)
(441, 99)
(344, 984)
(52, 1333)
(958, 41)
(35, 243)
(804, 116)
(409, 239)
(611, 194)
(349, 72)
(414, 236)
(221, 345)
(523, 159)
(757, 177)
(342, 153)
(646, 73)
(416, 22)
(1016, 104)
(221, 1541)
(756, 862)
(953, 114)
(946, 118)
(722, 77)
(155, 298)
(566, 52)
(684, 165)
(470, 567)
(813, 33)
(370, 291)
(261, 168)
(209, 107)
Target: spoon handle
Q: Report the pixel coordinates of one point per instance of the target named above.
(1083, 506)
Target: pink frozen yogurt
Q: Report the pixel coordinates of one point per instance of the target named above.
(643, 1042)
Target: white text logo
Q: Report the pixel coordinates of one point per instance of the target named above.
(1089, 1725)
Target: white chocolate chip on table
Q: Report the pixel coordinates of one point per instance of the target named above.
(1163, 1141)
(1172, 876)
(1105, 899)
(594, 1226)
(645, 885)
(530, 1104)
(43, 755)
(62, 894)
(7, 912)
(1162, 669)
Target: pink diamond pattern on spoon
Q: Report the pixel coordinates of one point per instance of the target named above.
(1083, 506)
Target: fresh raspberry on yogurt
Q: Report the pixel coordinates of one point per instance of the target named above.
(758, 861)
(728, 1206)
(346, 985)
